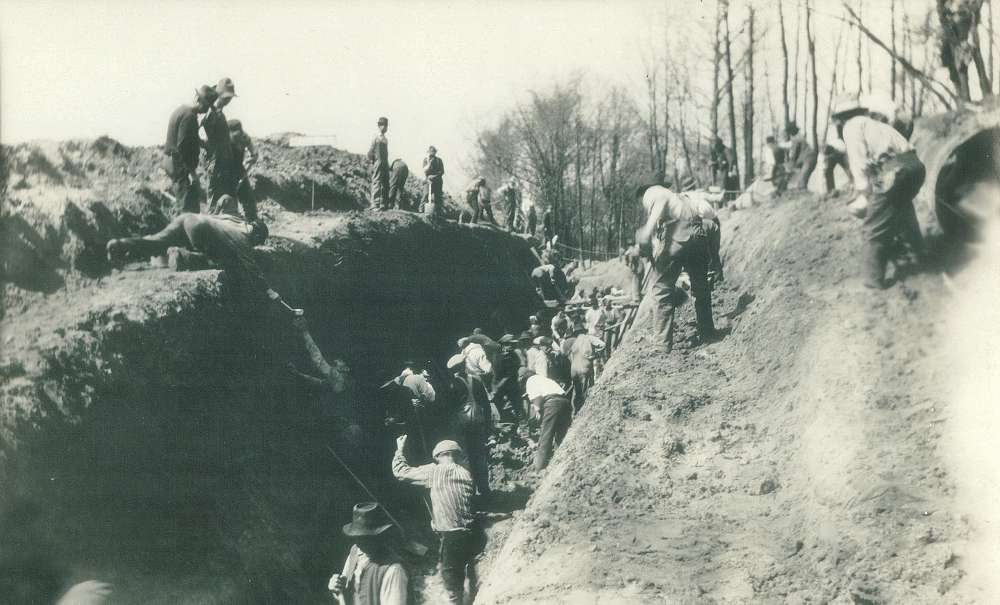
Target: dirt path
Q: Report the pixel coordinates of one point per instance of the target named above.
(796, 461)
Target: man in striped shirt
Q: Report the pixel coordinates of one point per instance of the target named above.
(451, 490)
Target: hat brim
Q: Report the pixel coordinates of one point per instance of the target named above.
(355, 531)
(227, 95)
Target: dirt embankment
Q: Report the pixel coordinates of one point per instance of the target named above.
(798, 460)
(65, 200)
(151, 417)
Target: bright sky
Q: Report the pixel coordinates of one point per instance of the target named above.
(437, 69)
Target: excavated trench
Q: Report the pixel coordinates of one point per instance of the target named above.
(153, 428)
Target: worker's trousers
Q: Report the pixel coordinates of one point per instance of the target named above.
(831, 159)
(890, 213)
(459, 550)
(557, 415)
(694, 257)
(187, 189)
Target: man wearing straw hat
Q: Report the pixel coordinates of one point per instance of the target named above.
(183, 149)
(451, 491)
(887, 176)
(373, 573)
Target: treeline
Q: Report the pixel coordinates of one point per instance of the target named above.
(736, 71)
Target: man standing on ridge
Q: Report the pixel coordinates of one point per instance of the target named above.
(675, 237)
(223, 179)
(399, 172)
(242, 147)
(378, 157)
(510, 196)
(183, 148)
(434, 172)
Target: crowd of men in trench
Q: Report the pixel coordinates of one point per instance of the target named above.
(538, 378)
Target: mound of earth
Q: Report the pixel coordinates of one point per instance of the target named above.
(799, 460)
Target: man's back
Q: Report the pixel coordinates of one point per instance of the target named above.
(182, 134)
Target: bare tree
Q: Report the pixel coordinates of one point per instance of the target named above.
(795, 85)
(729, 85)
(960, 45)
(892, 61)
(861, 9)
(784, 58)
(811, 38)
(748, 114)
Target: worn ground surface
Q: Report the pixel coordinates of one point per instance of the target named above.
(799, 460)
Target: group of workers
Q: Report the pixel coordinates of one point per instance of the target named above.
(537, 379)
(516, 218)
(388, 188)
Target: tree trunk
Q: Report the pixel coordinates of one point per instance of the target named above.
(795, 85)
(811, 37)
(989, 30)
(717, 55)
(784, 58)
(748, 117)
(729, 85)
(985, 85)
(860, 38)
(892, 60)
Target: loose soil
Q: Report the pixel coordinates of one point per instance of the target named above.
(798, 460)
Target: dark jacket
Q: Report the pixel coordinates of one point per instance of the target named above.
(183, 146)
(220, 146)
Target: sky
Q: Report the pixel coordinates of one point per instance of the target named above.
(436, 69)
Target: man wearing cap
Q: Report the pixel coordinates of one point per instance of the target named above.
(224, 177)
(887, 176)
(398, 173)
(244, 157)
(378, 157)
(550, 404)
(675, 237)
(183, 148)
(451, 490)
(226, 240)
(373, 572)
(434, 172)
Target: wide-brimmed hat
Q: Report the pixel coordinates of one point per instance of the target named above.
(543, 341)
(846, 103)
(369, 520)
(226, 88)
(383, 120)
(880, 103)
(455, 360)
(432, 149)
(445, 446)
(507, 338)
(206, 93)
(235, 125)
(524, 337)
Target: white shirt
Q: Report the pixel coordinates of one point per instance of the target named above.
(540, 386)
(867, 142)
(477, 362)
(394, 583)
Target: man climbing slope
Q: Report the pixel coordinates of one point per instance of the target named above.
(226, 240)
(675, 237)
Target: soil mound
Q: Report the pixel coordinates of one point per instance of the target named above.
(797, 460)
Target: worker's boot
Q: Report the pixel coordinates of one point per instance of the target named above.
(874, 264)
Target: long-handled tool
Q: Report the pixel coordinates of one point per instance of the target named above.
(416, 548)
